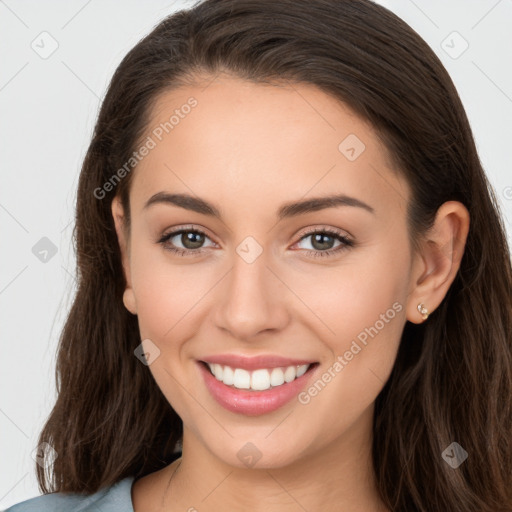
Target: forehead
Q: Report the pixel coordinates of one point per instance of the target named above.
(236, 141)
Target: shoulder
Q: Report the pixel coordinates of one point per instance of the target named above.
(116, 498)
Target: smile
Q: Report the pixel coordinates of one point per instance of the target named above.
(259, 379)
(255, 385)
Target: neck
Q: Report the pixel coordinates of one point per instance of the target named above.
(338, 476)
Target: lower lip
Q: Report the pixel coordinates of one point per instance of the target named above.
(253, 403)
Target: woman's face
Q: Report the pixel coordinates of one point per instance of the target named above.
(245, 171)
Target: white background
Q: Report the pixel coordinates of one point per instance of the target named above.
(47, 111)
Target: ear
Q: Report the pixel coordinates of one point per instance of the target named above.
(123, 239)
(438, 260)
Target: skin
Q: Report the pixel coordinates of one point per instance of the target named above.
(248, 149)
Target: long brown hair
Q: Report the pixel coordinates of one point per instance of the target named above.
(452, 380)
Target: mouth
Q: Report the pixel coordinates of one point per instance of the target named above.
(260, 379)
(255, 388)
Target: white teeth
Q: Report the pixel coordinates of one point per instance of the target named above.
(257, 380)
(217, 371)
(277, 377)
(228, 376)
(301, 370)
(242, 379)
(290, 373)
(260, 380)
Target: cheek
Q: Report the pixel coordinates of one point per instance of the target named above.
(167, 295)
(365, 292)
(367, 313)
(361, 305)
(172, 296)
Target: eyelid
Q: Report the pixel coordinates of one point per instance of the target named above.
(346, 240)
(324, 228)
(186, 227)
(300, 235)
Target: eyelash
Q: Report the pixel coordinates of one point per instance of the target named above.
(346, 242)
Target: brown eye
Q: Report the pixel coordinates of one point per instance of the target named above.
(192, 239)
(322, 242)
(185, 241)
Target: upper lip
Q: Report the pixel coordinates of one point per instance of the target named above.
(254, 362)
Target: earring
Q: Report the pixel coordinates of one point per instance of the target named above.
(423, 311)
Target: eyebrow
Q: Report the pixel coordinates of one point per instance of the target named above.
(287, 210)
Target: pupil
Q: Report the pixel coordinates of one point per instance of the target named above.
(195, 240)
(192, 240)
(320, 243)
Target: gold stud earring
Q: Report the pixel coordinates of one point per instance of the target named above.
(423, 311)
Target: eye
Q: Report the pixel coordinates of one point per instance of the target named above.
(191, 241)
(322, 242)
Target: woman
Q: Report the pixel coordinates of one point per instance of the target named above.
(294, 284)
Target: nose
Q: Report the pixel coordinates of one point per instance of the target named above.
(251, 301)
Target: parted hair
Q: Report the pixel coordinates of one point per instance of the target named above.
(452, 379)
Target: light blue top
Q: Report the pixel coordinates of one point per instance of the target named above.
(117, 498)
